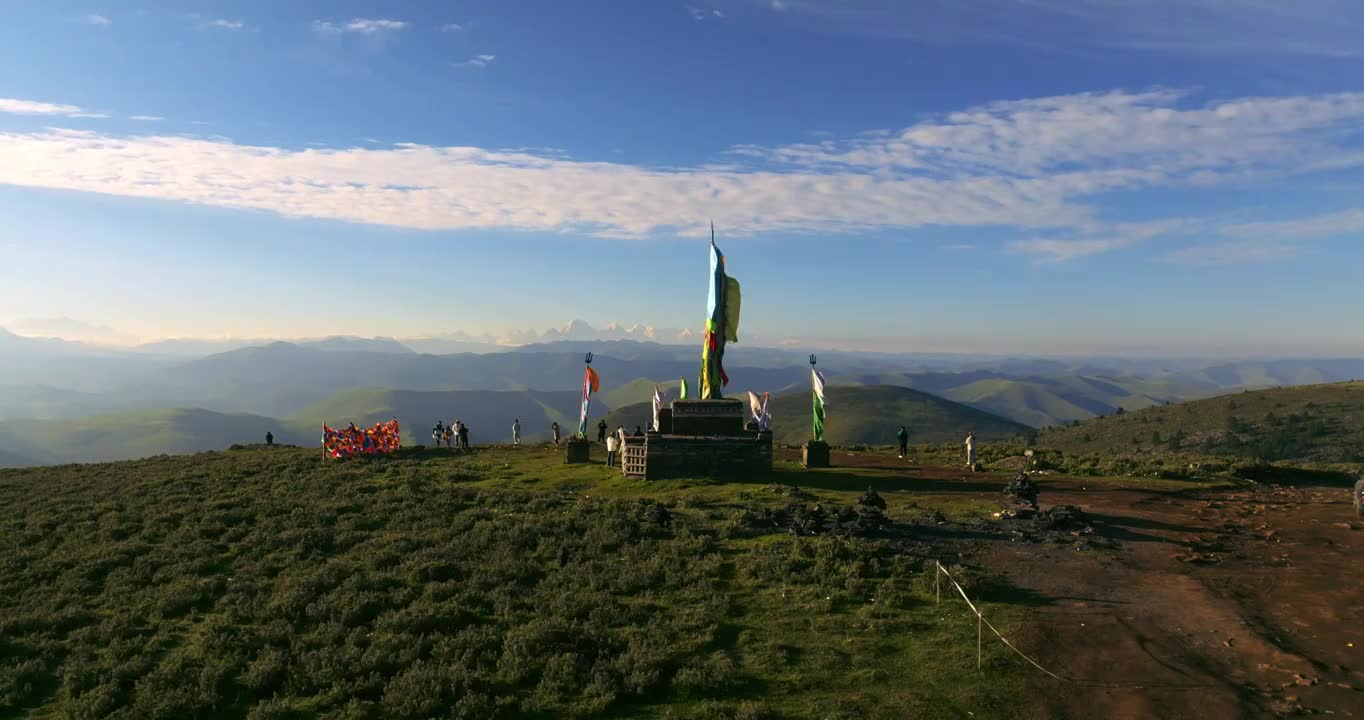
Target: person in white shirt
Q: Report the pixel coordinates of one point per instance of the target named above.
(611, 451)
(971, 451)
(516, 431)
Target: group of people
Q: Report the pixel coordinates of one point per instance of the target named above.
(455, 435)
(615, 442)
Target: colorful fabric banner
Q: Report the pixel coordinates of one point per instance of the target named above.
(591, 384)
(683, 396)
(817, 384)
(351, 441)
(722, 325)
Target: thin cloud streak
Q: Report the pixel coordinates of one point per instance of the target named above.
(476, 61)
(363, 26)
(15, 106)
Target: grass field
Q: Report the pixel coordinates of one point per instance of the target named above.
(268, 583)
(1319, 424)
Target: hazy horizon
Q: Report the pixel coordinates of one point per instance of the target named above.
(580, 331)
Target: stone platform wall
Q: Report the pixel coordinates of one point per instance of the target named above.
(744, 455)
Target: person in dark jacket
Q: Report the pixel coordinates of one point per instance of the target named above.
(601, 431)
(903, 438)
(554, 431)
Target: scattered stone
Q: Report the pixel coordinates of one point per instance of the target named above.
(657, 514)
(790, 491)
(871, 499)
(1022, 490)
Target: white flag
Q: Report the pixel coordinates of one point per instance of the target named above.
(658, 405)
(755, 405)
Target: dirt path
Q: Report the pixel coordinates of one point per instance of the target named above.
(1240, 603)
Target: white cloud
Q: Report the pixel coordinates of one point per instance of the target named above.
(1236, 252)
(1037, 166)
(778, 5)
(16, 106)
(1338, 223)
(451, 27)
(146, 118)
(94, 19)
(223, 24)
(704, 14)
(476, 61)
(1094, 240)
(364, 26)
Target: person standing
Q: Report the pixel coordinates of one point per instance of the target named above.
(269, 438)
(463, 436)
(903, 438)
(554, 431)
(438, 433)
(449, 435)
(516, 431)
(611, 451)
(601, 431)
(971, 451)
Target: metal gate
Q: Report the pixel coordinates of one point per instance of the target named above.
(632, 461)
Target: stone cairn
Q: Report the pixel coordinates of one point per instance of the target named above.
(1021, 490)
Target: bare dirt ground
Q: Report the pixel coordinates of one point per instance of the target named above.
(1204, 602)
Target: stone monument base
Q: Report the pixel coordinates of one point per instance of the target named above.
(576, 451)
(814, 454)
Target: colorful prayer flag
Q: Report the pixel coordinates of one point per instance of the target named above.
(722, 324)
(817, 384)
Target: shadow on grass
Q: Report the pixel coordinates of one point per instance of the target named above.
(850, 481)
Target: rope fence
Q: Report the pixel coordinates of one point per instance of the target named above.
(982, 623)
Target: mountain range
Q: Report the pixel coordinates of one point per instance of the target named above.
(44, 379)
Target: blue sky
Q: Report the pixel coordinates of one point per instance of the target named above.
(1152, 176)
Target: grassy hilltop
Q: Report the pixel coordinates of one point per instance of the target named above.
(1313, 424)
(267, 583)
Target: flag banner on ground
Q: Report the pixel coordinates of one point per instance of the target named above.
(352, 441)
(817, 384)
(658, 405)
(722, 325)
(591, 384)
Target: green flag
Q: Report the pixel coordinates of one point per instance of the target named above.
(817, 383)
(683, 396)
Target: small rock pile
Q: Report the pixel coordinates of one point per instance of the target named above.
(657, 514)
(867, 519)
(1021, 490)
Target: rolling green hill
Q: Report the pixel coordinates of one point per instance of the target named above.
(869, 414)
(1312, 423)
(1040, 402)
(640, 390)
(122, 436)
(489, 414)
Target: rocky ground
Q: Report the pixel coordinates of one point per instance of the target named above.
(1171, 601)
